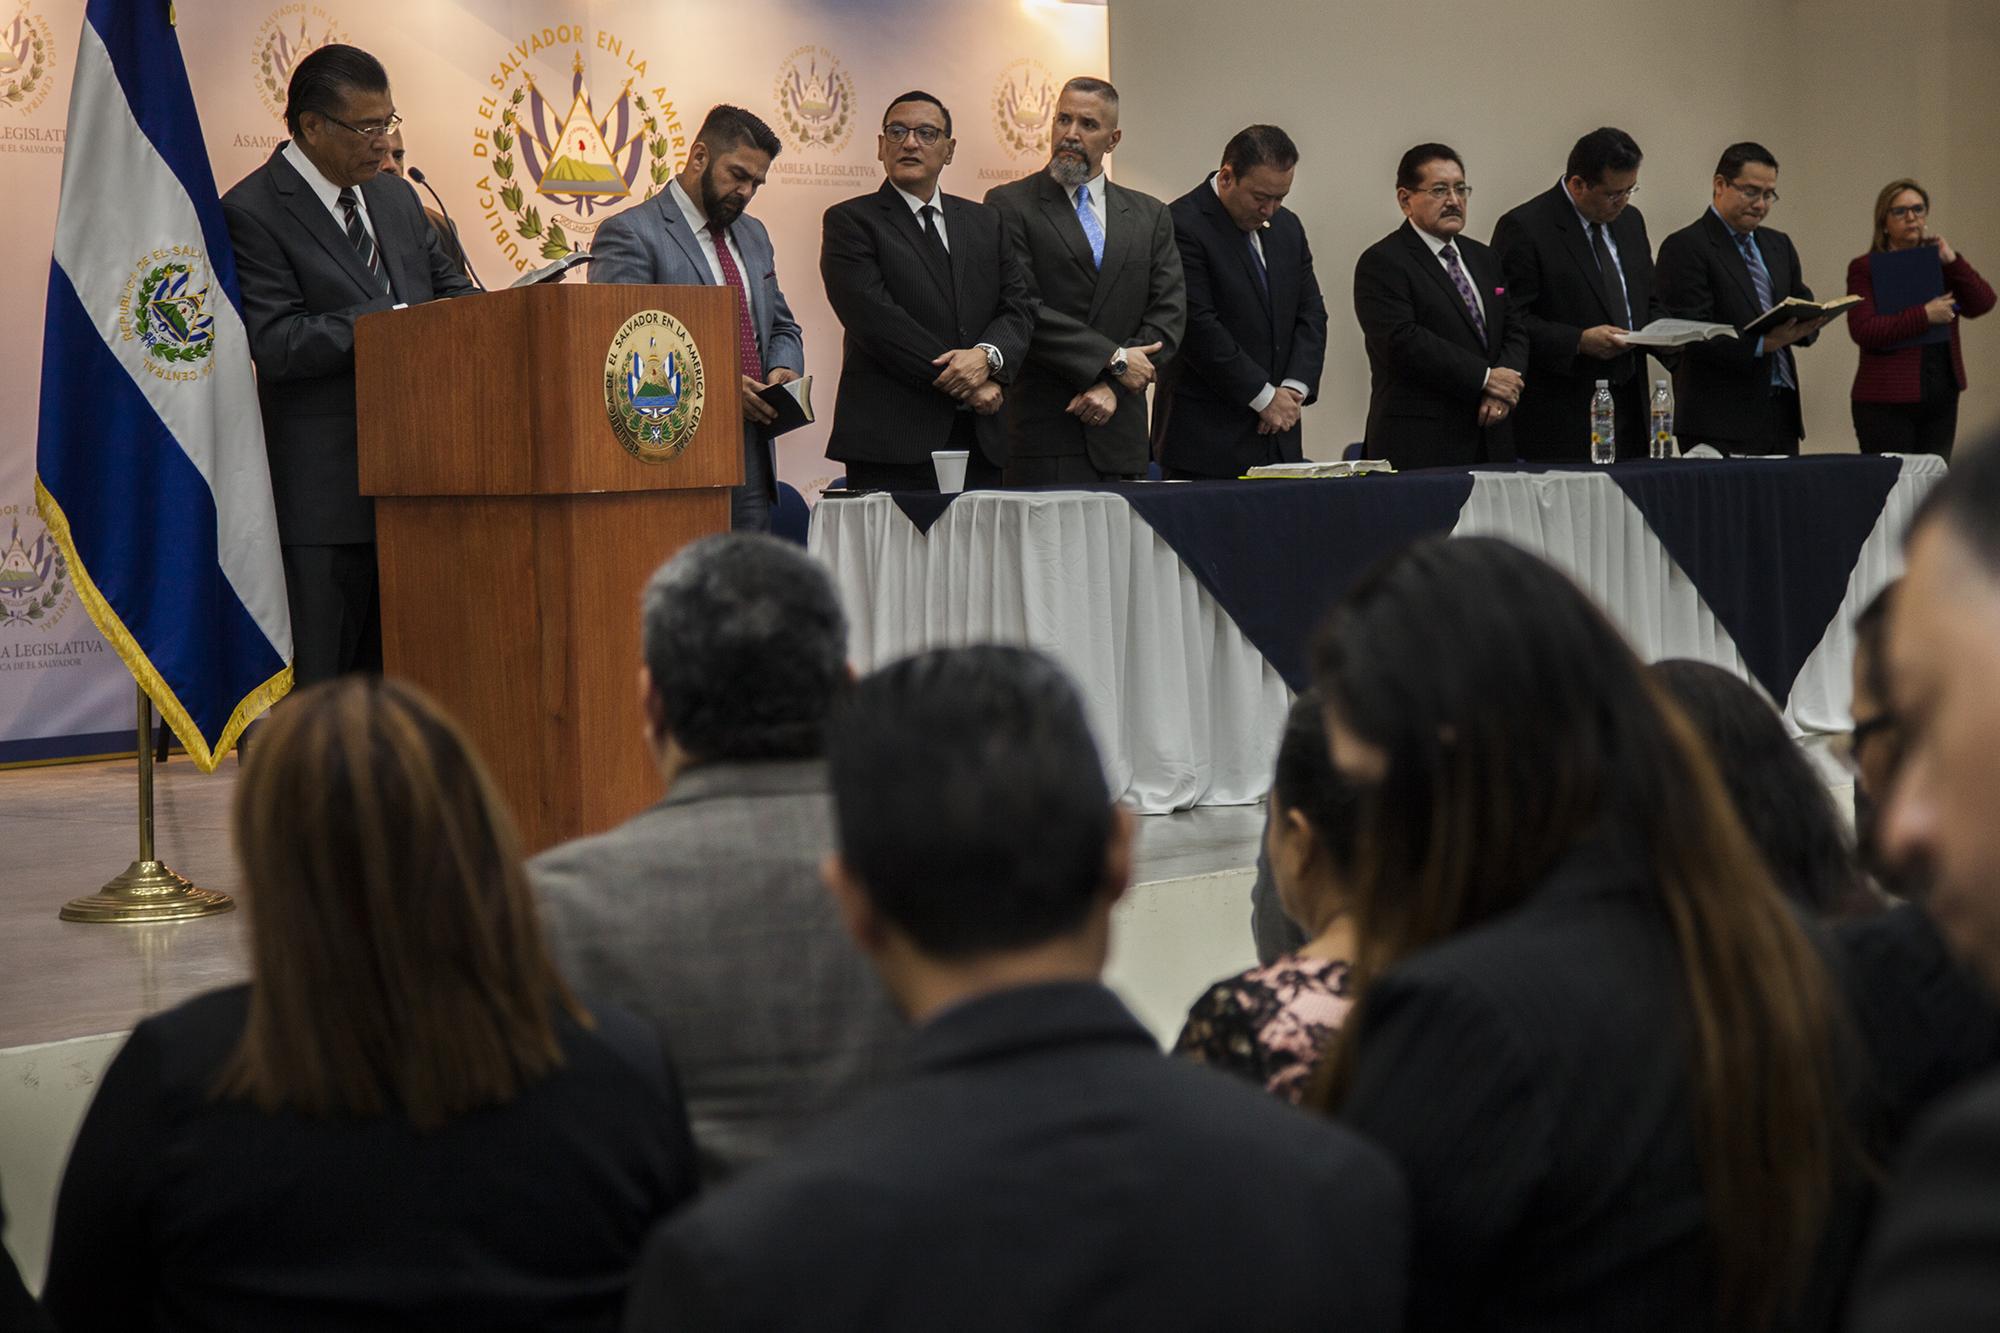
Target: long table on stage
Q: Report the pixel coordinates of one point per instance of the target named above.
(1184, 609)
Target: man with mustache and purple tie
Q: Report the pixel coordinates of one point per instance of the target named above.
(1104, 274)
(1446, 357)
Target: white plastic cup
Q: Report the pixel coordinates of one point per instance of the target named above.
(950, 465)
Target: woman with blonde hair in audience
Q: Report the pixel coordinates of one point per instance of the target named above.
(1270, 1024)
(1588, 1027)
(404, 1120)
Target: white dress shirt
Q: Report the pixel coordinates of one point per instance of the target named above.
(698, 223)
(1269, 391)
(328, 192)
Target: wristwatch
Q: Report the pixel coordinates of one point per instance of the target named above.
(1118, 362)
(992, 358)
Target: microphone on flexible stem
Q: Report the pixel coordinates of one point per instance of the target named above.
(418, 177)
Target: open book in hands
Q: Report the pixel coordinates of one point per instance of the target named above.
(1792, 308)
(1676, 333)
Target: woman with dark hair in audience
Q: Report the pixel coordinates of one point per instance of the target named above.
(404, 1120)
(1588, 1026)
(1271, 1023)
(1785, 807)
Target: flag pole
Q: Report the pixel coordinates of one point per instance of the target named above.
(147, 890)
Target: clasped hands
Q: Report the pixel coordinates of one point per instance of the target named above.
(968, 376)
(1099, 403)
(1503, 391)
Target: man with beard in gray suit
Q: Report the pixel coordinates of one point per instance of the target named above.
(705, 914)
(695, 233)
(1111, 302)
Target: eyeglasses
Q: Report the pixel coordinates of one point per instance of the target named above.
(1909, 210)
(1443, 192)
(1620, 196)
(382, 131)
(927, 135)
(1754, 195)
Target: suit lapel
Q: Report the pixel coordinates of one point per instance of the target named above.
(1577, 241)
(683, 235)
(1119, 225)
(1233, 239)
(1060, 208)
(904, 223)
(398, 259)
(304, 206)
(957, 224)
(1434, 266)
(1724, 240)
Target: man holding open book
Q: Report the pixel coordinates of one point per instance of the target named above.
(1739, 394)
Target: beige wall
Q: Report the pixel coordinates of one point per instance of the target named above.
(1846, 94)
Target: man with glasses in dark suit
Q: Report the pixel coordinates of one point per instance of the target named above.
(322, 238)
(1740, 395)
(935, 310)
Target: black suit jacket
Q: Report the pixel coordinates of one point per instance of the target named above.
(1426, 365)
(901, 308)
(1240, 337)
(1934, 1263)
(1722, 390)
(1528, 1077)
(1554, 289)
(304, 285)
(1044, 1167)
(179, 1210)
(1083, 314)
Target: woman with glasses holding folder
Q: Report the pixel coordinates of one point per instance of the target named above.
(1914, 289)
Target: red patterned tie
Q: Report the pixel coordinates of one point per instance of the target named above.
(746, 330)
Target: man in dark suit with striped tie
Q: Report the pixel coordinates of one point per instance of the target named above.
(1446, 355)
(1740, 395)
(322, 239)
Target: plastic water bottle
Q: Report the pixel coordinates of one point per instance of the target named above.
(1603, 425)
(1661, 444)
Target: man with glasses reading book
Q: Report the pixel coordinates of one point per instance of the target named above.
(935, 310)
(322, 238)
(1739, 395)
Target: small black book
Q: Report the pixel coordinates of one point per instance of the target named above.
(792, 401)
(1792, 308)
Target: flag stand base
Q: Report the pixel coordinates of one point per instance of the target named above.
(148, 890)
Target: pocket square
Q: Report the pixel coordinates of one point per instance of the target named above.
(1499, 291)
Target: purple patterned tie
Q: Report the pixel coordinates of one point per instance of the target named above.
(1464, 285)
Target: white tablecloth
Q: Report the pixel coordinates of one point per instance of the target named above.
(1186, 711)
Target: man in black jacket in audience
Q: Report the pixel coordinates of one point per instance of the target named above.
(1935, 1263)
(1042, 1166)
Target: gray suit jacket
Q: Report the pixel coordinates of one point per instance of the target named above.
(651, 242)
(1084, 313)
(706, 915)
(304, 285)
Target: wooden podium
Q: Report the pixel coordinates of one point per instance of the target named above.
(515, 532)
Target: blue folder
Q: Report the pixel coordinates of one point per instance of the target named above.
(1905, 278)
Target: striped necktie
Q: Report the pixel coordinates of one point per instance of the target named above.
(1760, 278)
(357, 235)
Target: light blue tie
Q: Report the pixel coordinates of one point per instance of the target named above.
(1093, 231)
(1760, 278)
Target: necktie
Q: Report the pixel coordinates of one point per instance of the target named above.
(1607, 269)
(752, 364)
(1093, 230)
(1257, 264)
(1760, 278)
(357, 235)
(1464, 285)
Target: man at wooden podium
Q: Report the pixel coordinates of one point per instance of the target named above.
(321, 239)
(694, 233)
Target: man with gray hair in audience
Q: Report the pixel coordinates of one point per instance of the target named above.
(706, 913)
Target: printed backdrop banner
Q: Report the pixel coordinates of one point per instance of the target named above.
(535, 122)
